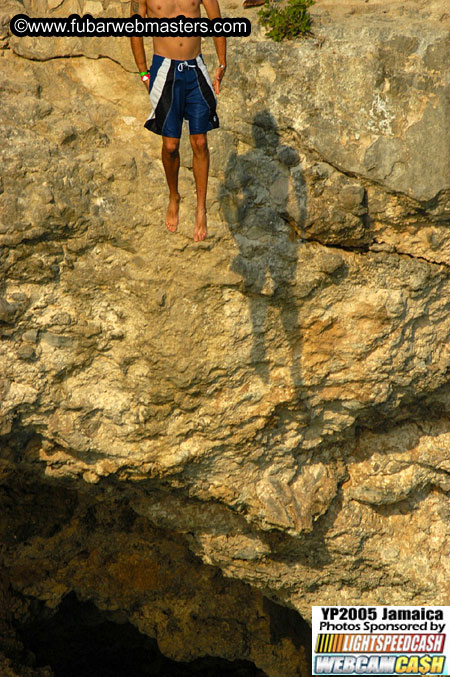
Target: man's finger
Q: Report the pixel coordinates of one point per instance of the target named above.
(216, 85)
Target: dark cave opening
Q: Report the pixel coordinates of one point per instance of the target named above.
(81, 640)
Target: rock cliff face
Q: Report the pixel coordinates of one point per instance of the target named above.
(204, 437)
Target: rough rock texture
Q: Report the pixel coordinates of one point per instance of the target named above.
(276, 397)
(95, 543)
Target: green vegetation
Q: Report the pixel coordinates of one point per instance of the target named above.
(286, 21)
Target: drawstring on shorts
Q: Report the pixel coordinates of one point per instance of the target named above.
(184, 64)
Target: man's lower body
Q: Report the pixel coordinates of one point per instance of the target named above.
(182, 90)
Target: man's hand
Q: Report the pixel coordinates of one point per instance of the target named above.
(220, 72)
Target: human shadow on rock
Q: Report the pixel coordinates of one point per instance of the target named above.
(263, 199)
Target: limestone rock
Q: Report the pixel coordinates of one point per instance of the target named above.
(277, 396)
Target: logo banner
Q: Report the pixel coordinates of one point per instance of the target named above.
(380, 640)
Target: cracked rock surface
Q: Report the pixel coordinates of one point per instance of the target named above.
(277, 396)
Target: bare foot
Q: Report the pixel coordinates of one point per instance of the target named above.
(172, 213)
(200, 230)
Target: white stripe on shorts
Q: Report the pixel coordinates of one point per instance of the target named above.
(204, 70)
(158, 86)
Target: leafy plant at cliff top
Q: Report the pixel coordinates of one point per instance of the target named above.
(286, 21)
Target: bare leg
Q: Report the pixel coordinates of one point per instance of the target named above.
(200, 149)
(171, 161)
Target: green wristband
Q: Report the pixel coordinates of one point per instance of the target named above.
(143, 73)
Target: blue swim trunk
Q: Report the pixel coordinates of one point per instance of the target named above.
(181, 90)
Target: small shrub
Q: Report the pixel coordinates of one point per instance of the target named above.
(287, 20)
